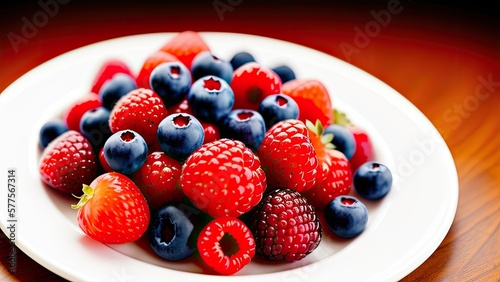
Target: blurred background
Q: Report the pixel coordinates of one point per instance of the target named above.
(444, 58)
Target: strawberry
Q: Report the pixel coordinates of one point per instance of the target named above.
(314, 91)
(150, 64)
(108, 69)
(288, 157)
(185, 46)
(364, 148)
(108, 220)
(338, 180)
(68, 162)
(74, 113)
(285, 226)
(252, 83)
(141, 110)
(158, 179)
(335, 177)
(223, 178)
(226, 245)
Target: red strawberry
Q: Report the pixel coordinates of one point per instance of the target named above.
(185, 46)
(68, 162)
(285, 226)
(158, 179)
(338, 181)
(108, 69)
(252, 83)
(335, 177)
(226, 233)
(74, 113)
(140, 110)
(223, 178)
(364, 147)
(150, 64)
(288, 157)
(107, 220)
(315, 91)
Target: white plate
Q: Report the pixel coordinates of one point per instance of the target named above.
(403, 230)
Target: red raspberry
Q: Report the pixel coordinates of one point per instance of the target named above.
(68, 162)
(185, 46)
(285, 226)
(313, 90)
(158, 179)
(252, 83)
(218, 236)
(74, 113)
(337, 181)
(108, 69)
(140, 110)
(150, 64)
(223, 178)
(288, 157)
(102, 161)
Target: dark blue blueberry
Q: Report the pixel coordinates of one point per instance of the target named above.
(372, 180)
(115, 88)
(240, 59)
(125, 151)
(211, 99)
(343, 140)
(51, 130)
(278, 107)
(205, 63)
(169, 233)
(346, 216)
(285, 73)
(246, 126)
(171, 81)
(179, 135)
(94, 125)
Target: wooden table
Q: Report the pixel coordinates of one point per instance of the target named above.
(445, 60)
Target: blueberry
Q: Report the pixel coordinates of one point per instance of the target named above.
(246, 126)
(205, 63)
(179, 135)
(51, 130)
(211, 99)
(115, 88)
(284, 72)
(346, 216)
(278, 107)
(94, 125)
(171, 81)
(343, 140)
(240, 59)
(372, 180)
(125, 151)
(169, 233)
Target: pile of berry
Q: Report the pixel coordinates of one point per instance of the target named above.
(227, 159)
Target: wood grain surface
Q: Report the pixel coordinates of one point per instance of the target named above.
(445, 60)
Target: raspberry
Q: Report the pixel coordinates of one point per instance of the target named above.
(226, 245)
(288, 157)
(285, 226)
(68, 162)
(141, 110)
(223, 178)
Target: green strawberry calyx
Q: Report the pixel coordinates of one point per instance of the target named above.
(341, 118)
(88, 193)
(319, 130)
